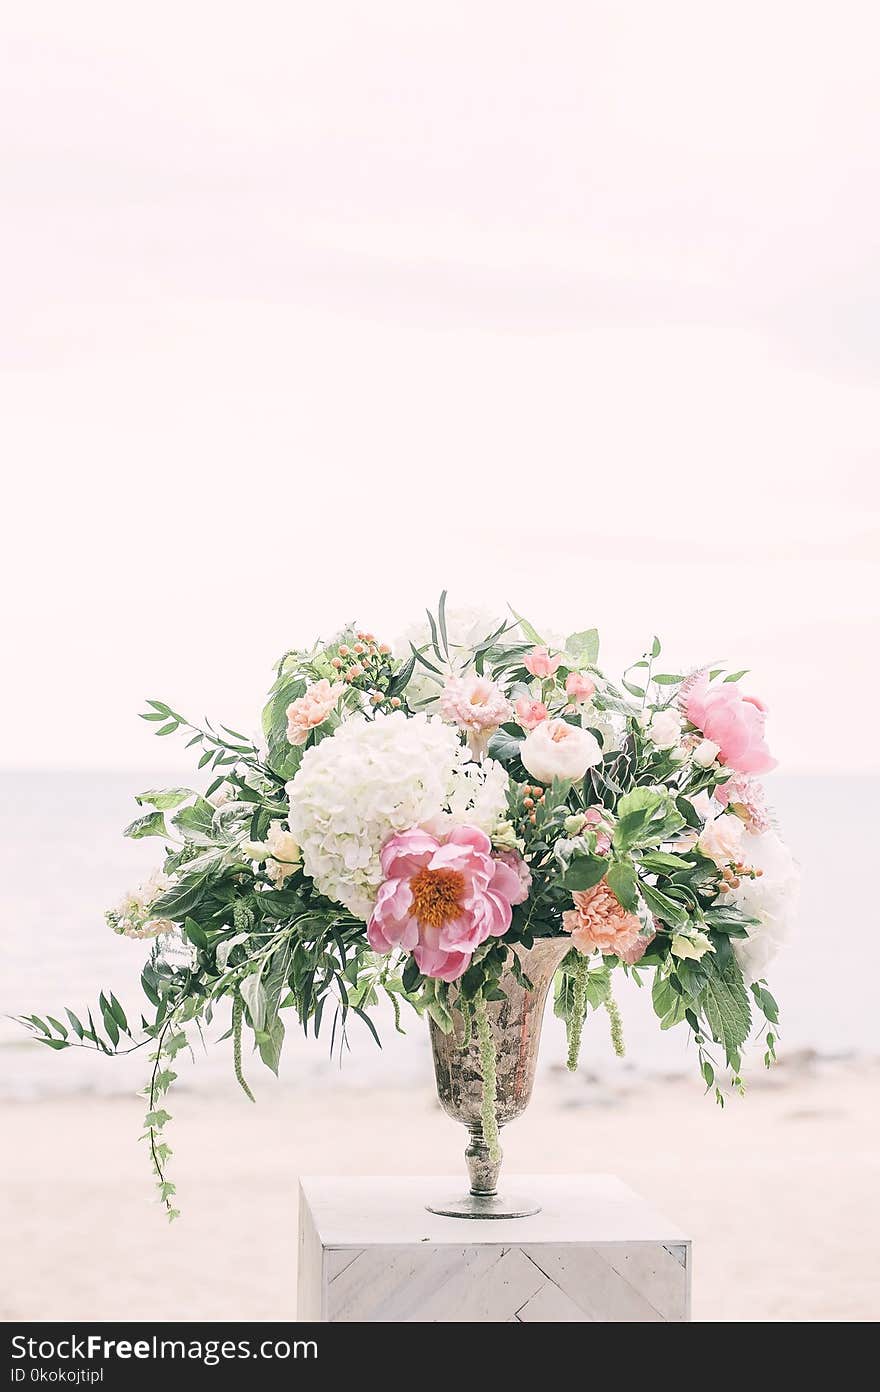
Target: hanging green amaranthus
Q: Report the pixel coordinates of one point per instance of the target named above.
(488, 1111)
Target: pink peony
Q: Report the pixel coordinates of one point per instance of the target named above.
(521, 870)
(311, 709)
(746, 797)
(442, 898)
(540, 663)
(530, 713)
(600, 923)
(477, 705)
(732, 721)
(579, 686)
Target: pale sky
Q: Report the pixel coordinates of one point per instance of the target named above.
(308, 311)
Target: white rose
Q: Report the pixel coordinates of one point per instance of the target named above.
(282, 844)
(665, 728)
(721, 839)
(705, 753)
(555, 749)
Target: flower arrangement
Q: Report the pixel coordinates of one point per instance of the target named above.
(411, 816)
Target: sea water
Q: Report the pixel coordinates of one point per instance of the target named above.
(63, 860)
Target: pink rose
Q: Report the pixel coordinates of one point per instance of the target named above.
(540, 663)
(579, 687)
(732, 721)
(442, 898)
(530, 713)
(312, 709)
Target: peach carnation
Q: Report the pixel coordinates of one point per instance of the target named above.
(476, 705)
(746, 797)
(600, 923)
(312, 709)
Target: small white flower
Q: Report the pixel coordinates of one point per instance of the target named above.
(692, 945)
(664, 729)
(504, 837)
(705, 753)
(255, 850)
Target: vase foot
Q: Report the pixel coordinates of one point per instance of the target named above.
(486, 1206)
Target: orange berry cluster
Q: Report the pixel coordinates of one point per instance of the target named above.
(532, 795)
(734, 874)
(365, 662)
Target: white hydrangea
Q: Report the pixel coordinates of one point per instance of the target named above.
(773, 898)
(370, 779)
(479, 795)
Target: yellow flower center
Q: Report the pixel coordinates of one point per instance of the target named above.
(435, 896)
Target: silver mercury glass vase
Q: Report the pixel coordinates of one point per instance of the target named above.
(515, 1024)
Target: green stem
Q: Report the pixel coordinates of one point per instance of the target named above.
(153, 1131)
(488, 1111)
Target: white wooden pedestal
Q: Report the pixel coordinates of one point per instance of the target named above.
(370, 1251)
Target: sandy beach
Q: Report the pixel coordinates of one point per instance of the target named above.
(779, 1195)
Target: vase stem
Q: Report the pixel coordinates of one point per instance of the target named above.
(482, 1169)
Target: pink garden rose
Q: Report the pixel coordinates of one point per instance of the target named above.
(579, 687)
(312, 709)
(530, 713)
(732, 721)
(540, 663)
(442, 898)
(476, 705)
(600, 923)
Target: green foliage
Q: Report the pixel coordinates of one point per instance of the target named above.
(283, 757)
(165, 799)
(584, 871)
(646, 817)
(726, 1005)
(153, 824)
(622, 882)
(584, 647)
